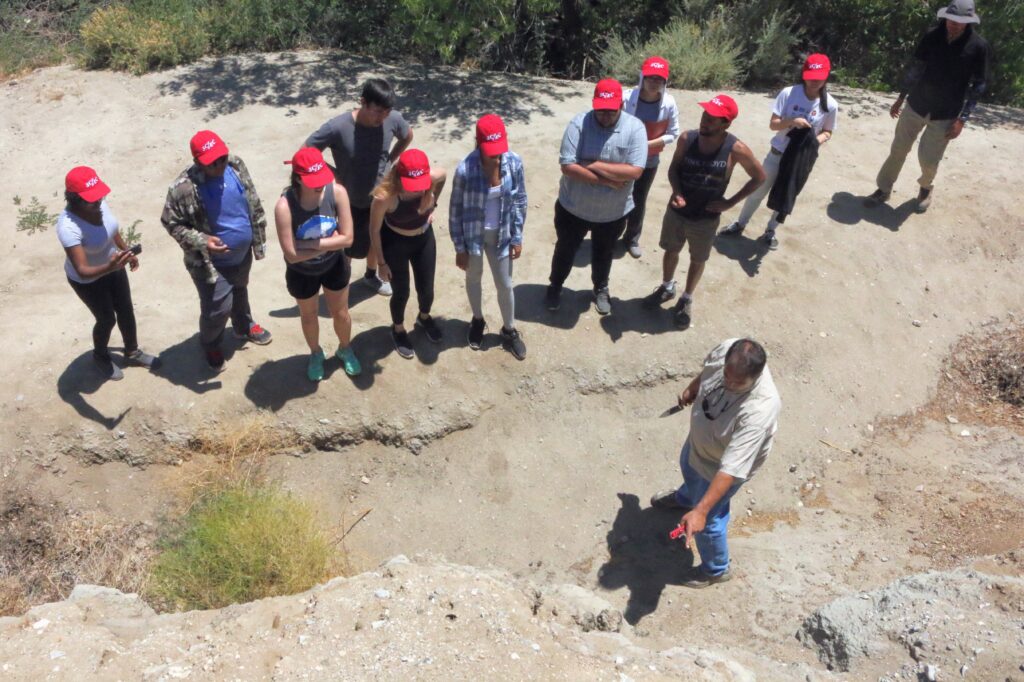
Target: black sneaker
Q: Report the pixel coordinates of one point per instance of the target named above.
(430, 328)
(476, 332)
(553, 298)
(107, 368)
(876, 198)
(924, 200)
(682, 313)
(402, 344)
(215, 359)
(513, 343)
(770, 240)
(664, 293)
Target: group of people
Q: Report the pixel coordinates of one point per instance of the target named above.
(377, 203)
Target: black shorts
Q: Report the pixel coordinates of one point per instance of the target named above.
(360, 233)
(303, 286)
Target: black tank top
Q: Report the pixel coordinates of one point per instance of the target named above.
(407, 216)
(320, 222)
(703, 178)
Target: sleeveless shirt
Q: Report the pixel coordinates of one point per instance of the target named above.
(320, 222)
(703, 178)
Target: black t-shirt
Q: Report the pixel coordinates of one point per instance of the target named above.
(949, 69)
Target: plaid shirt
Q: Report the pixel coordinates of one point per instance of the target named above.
(467, 210)
(184, 217)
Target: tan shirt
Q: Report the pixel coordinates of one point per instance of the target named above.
(739, 435)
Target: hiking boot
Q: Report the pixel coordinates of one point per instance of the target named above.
(215, 359)
(663, 293)
(476, 332)
(402, 344)
(513, 343)
(553, 298)
(602, 301)
(634, 250)
(140, 358)
(877, 197)
(428, 326)
(770, 240)
(682, 313)
(256, 334)
(667, 499)
(734, 229)
(107, 368)
(698, 579)
(315, 366)
(924, 200)
(349, 361)
(371, 280)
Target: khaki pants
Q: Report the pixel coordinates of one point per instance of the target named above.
(929, 150)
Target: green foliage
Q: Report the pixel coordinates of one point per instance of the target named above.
(131, 235)
(35, 33)
(145, 37)
(239, 544)
(34, 217)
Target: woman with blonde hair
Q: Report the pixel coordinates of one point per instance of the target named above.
(402, 236)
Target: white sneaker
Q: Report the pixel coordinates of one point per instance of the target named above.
(734, 228)
(377, 284)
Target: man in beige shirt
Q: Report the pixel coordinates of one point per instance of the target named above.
(732, 427)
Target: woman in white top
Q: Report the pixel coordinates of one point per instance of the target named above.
(805, 105)
(96, 258)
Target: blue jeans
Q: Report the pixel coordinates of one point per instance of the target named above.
(712, 542)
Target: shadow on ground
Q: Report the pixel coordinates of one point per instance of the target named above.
(631, 315)
(642, 558)
(847, 209)
(530, 306)
(747, 251)
(82, 378)
(450, 99)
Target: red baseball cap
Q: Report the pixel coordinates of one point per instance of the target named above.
(414, 170)
(491, 135)
(207, 147)
(84, 182)
(655, 66)
(721, 106)
(608, 95)
(313, 172)
(817, 67)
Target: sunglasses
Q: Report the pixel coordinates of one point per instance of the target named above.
(714, 402)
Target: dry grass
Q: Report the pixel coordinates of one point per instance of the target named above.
(46, 549)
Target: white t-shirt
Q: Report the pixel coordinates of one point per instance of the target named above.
(736, 432)
(97, 240)
(792, 102)
(492, 210)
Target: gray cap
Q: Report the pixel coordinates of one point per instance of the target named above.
(960, 11)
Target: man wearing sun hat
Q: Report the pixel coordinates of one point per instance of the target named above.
(603, 152)
(699, 175)
(213, 212)
(941, 88)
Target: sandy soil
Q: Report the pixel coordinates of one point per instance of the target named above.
(542, 468)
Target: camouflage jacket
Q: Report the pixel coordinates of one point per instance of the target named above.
(185, 218)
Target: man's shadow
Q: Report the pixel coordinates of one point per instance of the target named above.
(82, 378)
(642, 558)
(746, 251)
(636, 315)
(847, 209)
(530, 306)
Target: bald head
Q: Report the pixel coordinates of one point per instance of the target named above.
(746, 359)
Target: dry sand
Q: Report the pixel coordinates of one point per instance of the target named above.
(541, 468)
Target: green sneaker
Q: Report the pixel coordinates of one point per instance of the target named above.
(349, 361)
(315, 368)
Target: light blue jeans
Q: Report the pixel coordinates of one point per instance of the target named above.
(712, 542)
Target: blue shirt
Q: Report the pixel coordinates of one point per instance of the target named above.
(467, 210)
(584, 141)
(227, 211)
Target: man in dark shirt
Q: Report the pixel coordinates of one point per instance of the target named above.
(948, 74)
(363, 142)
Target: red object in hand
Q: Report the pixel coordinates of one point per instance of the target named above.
(677, 532)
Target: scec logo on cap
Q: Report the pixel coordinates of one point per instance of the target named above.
(815, 67)
(718, 101)
(92, 182)
(415, 173)
(657, 65)
(606, 95)
(208, 145)
(493, 137)
(315, 168)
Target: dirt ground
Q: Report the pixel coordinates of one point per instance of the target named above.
(542, 468)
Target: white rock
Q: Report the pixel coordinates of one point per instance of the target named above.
(364, 480)
(382, 594)
(40, 625)
(965, 433)
(919, 489)
(951, 419)
(55, 654)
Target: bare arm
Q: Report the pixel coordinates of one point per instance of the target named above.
(377, 210)
(400, 146)
(696, 519)
(689, 393)
(76, 254)
(283, 222)
(617, 172)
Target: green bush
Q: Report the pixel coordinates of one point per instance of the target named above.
(145, 37)
(699, 59)
(240, 544)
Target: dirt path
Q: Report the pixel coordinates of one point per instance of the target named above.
(543, 467)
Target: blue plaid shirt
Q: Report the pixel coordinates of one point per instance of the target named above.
(466, 212)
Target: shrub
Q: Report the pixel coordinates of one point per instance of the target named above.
(138, 39)
(699, 59)
(34, 217)
(243, 543)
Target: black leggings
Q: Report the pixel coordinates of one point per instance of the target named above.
(399, 253)
(109, 299)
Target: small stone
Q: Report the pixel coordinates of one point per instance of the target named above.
(535, 646)
(931, 673)
(964, 668)
(364, 480)
(919, 489)
(701, 661)
(377, 624)
(792, 468)
(324, 421)
(514, 656)
(965, 434)
(916, 323)
(40, 624)
(382, 594)
(55, 654)
(951, 419)
(822, 334)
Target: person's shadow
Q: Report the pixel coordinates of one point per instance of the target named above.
(642, 558)
(636, 315)
(530, 306)
(81, 378)
(746, 251)
(183, 364)
(847, 209)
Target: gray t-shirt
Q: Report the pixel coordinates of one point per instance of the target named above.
(360, 152)
(96, 240)
(585, 140)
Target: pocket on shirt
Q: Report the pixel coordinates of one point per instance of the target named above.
(615, 153)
